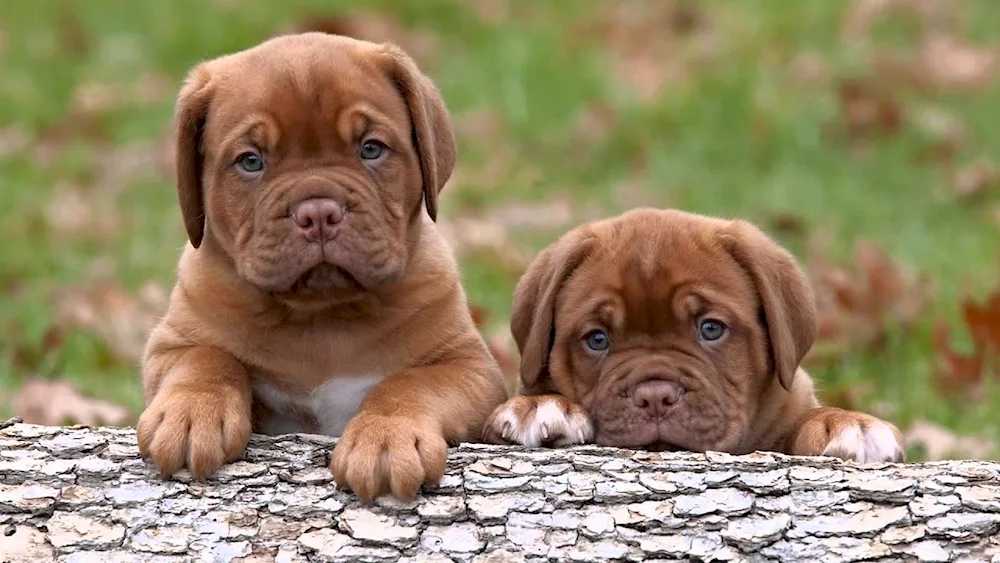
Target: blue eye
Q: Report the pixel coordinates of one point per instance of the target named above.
(597, 341)
(710, 330)
(250, 162)
(371, 150)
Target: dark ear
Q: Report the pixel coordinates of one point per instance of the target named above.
(532, 320)
(191, 113)
(432, 129)
(789, 306)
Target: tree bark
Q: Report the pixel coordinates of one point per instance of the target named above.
(83, 494)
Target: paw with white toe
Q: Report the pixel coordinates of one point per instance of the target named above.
(851, 436)
(539, 420)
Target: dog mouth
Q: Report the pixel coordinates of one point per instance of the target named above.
(321, 280)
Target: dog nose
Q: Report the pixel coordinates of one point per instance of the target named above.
(317, 217)
(656, 396)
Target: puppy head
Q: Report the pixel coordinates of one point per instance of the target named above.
(306, 159)
(670, 328)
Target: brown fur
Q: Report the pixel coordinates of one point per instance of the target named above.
(648, 278)
(264, 324)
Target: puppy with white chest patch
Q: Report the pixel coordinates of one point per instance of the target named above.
(316, 294)
(668, 330)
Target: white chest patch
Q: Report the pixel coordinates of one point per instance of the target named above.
(331, 405)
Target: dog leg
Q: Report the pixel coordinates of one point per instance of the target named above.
(848, 435)
(537, 420)
(399, 439)
(199, 413)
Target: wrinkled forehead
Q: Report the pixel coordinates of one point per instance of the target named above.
(305, 83)
(651, 276)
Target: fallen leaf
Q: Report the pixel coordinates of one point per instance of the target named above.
(105, 309)
(810, 68)
(858, 306)
(556, 212)
(102, 97)
(975, 179)
(595, 122)
(947, 63)
(468, 235)
(964, 373)
(862, 16)
(948, 134)
(958, 371)
(72, 33)
(491, 11)
(939, 443)
(653, 44)
(867, 111)
(13, 140)
(787, 224)
(57, 403)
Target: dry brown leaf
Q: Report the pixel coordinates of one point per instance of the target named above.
(946, 130)
(13, 140)
(964, 373)
(71, 212)
(946, 62)
(56, 403)
(653, 43)
(863, 15)
(468, 235)
(975, 179)
(595, 122)
(858, 306)
(867, 111)
(420, 44)
(103, 308)
(556, 212)
(102, 97)
(939, 443)
(491, 11)
(809, 67)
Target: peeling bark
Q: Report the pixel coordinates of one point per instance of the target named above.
(83, 494)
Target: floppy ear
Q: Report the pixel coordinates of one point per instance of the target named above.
(191, 113)
(432, 133)
(532, 320)
(789, 306)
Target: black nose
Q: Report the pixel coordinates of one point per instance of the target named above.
(656, 396)
(317, 217)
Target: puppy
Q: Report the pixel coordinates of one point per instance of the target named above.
(316, 294)
(662, 329)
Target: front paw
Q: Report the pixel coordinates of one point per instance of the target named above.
(199, 430)
(536, 420)
(851, 436)
(379, 455)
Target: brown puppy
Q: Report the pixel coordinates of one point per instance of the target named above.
(316, 295)
(669, 330)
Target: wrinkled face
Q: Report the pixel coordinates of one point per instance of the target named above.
(311, 178)
(658, 327)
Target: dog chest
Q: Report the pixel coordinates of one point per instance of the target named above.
(326, 410)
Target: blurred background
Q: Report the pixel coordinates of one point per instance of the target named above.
(862, 134)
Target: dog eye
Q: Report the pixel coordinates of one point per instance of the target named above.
(250, 162)
(597, 340)
(371, 150)
(710, 330)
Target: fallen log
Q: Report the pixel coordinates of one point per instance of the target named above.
(83, 494)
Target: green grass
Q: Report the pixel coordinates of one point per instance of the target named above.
(736, 135)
